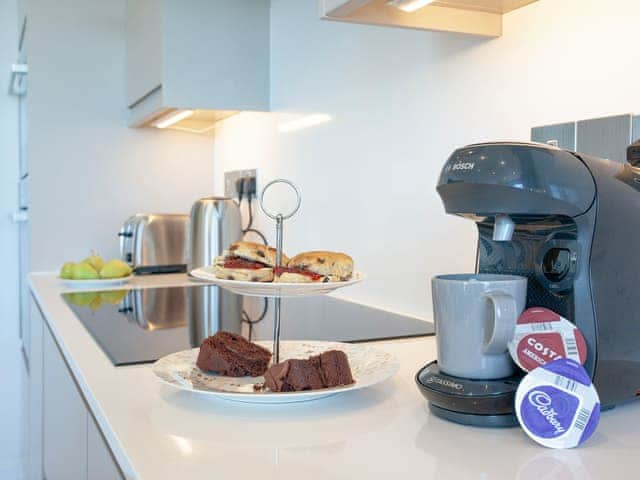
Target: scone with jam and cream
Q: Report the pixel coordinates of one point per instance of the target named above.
(248, 261)
(316, 266)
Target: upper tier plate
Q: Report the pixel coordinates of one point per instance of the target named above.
(271, 289)
(369, 366)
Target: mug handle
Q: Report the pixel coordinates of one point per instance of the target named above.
(505, 316)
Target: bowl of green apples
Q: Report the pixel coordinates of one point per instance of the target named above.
(93, 271)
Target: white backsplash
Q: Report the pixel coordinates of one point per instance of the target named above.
(89, 170)
(399, 102)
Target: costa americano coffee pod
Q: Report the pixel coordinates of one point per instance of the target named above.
(557, 405)
(542, 336)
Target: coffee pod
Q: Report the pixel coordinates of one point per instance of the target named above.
(542, 336)
(557, 405)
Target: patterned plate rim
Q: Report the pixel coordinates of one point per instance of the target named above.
(390, 359)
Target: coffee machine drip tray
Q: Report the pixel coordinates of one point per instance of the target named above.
(482, 403)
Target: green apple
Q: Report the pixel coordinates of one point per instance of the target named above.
(83, 271)
(66, 271)
(115, 269)
(95, 261)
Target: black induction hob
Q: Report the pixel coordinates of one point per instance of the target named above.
(141, 325)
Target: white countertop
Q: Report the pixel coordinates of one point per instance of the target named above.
(385, 432)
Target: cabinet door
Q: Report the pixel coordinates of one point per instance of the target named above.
(65, 419)
(100, 463)
(144, 48)
(33, 395)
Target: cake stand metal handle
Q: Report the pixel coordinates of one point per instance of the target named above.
(279, 218)
(275, 216)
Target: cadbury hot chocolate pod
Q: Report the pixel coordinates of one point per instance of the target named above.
(542, 336)
(557, 405)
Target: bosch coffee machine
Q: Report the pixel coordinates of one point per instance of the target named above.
(568, 222)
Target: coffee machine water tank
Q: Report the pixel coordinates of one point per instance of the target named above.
(574, 230)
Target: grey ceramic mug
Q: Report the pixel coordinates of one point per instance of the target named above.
(475, 317)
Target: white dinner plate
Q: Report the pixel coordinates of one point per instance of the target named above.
(97, 283)
(369, 366)
(273, 289)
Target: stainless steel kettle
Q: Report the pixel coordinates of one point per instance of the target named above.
(215, 224)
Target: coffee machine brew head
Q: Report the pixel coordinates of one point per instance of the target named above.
(503, 228)
(569, 223)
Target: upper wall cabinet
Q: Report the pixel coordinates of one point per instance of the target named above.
(193, 62)
(474, 17)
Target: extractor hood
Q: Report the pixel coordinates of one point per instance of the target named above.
(189, 67)
(186, 120)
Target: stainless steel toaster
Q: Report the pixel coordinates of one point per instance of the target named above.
(155, 243)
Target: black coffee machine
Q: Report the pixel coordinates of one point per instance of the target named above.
(569, 223)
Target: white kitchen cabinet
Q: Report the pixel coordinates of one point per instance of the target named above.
(64, 419)
(474, 17)
(206, 56)
(32, 386)
(144, 48)
(100, 463)
(72, 446)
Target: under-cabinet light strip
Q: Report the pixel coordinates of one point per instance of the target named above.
(409, 5)
(174, 117)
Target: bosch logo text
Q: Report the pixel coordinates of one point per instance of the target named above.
(463, 166)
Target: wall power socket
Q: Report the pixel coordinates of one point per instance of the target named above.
(233, 181)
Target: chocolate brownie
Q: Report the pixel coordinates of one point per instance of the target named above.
(232, 355)
(329, 369)
(334, 365)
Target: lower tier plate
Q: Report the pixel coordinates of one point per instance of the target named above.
(369, 366)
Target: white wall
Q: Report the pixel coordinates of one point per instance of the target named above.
(10, 386)
(89, 170)
(401, 101)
